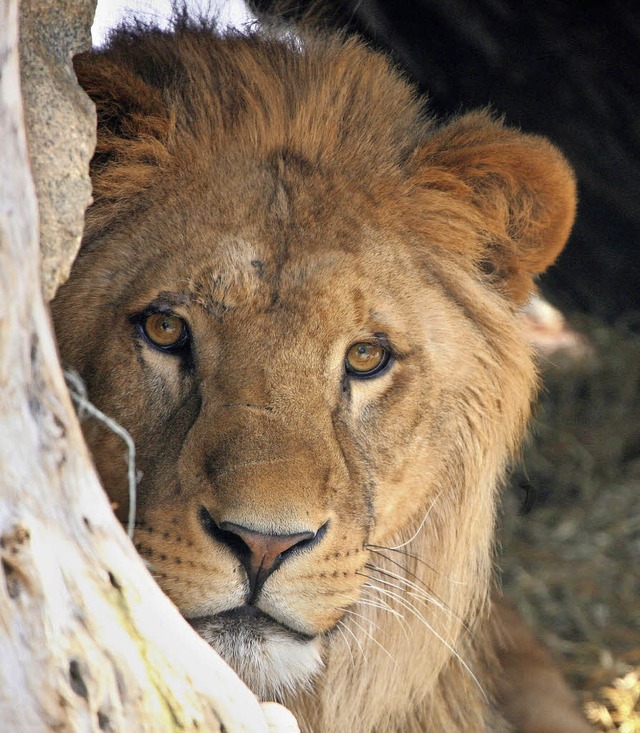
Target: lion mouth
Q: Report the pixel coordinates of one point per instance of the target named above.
(271, 657)
(247, 620)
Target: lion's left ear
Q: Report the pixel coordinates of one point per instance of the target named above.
(520, 185)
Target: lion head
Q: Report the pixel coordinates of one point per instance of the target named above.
(299, 295)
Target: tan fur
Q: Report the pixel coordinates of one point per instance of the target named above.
(530, 690)
(288, 198)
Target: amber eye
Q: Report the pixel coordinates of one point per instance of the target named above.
(165, 331)
(366, 359)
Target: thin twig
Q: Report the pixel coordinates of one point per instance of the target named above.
(78, 392)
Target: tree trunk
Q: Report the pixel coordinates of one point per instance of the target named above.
(87, 640)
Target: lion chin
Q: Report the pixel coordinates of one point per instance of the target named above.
(271, 659)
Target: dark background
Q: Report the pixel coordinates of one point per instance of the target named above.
(567, 70)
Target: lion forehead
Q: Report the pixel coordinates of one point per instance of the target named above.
(228, 273)
(244, 274)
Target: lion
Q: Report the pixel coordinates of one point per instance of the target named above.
(299, 294)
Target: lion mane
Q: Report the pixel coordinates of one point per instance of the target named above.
(299, 293)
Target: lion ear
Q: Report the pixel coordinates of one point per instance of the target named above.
(520, 185)
(134, 125)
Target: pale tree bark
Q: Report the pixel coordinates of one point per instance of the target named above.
(88, 642)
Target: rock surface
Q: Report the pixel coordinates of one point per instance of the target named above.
(60, 121)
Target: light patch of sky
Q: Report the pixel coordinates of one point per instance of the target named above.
(110, 12)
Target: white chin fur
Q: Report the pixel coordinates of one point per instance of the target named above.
(268, 659)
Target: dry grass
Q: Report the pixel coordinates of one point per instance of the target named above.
(571, 564)
(618, 708)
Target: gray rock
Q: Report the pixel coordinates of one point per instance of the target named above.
(60, 121)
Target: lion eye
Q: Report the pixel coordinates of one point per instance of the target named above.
(165, 331)
(366, 359)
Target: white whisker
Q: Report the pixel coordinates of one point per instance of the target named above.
(346, 628)
(424, 521)
(412, 609)
(351, 612)
(381, 605)
(415, 589)
(379, 550)
(419, 594)
(374, 640)
(346, 641)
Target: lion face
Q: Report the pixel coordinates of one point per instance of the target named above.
(303, 341)
(287, 407)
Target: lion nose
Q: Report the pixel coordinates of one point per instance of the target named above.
(265, 551)
(260, 553)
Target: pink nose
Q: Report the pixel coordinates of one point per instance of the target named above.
(260, 553)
